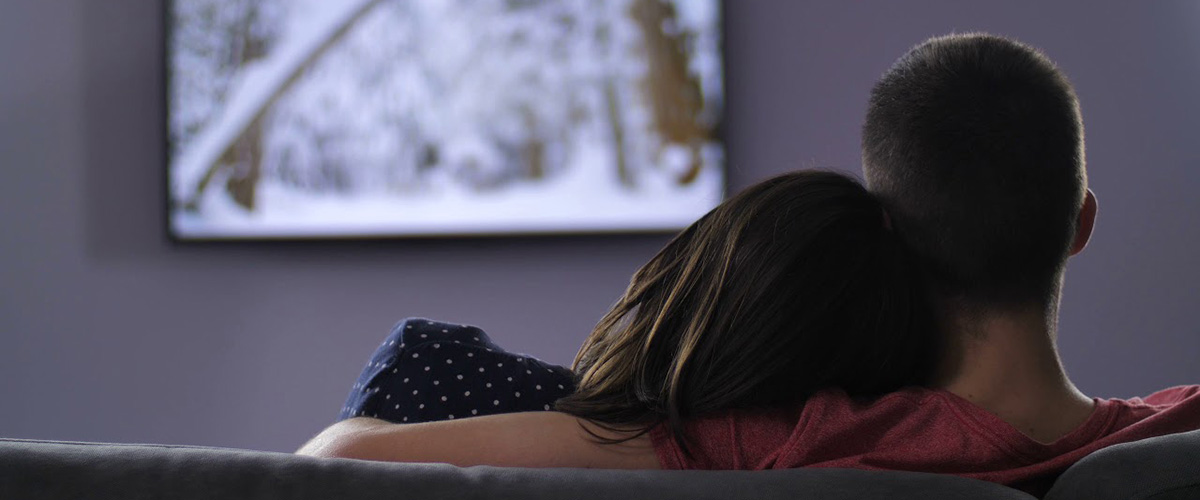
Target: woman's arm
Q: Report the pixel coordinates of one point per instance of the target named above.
(532, 439)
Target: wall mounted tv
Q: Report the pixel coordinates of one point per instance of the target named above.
(384, 118)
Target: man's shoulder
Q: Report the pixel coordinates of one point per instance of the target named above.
(1172, 396)
(1168, 397)
(1168, 411)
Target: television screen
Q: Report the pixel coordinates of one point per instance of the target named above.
(350, 118)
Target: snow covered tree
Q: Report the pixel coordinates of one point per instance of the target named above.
(212, 42)
(416, 97)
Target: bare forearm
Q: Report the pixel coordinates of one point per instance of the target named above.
(529, 439)
(332, 441)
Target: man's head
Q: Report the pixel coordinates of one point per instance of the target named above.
(975, 145)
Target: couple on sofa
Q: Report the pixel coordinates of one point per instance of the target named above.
(809, 321)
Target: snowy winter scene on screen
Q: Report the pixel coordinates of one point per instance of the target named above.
(366, 118)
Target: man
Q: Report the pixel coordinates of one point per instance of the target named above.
(974, 144)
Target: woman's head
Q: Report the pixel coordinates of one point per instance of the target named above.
(794, 285)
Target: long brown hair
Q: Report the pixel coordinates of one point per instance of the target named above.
(794, 285)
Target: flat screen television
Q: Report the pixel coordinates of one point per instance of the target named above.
(385, 118)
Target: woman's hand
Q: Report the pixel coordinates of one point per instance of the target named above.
(532, 439)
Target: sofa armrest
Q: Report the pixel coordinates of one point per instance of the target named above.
(1159, 468)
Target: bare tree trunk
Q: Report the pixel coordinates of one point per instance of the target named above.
(209, 165)
(613, 105)
(246, 159)
(672, 91)
(245, 155)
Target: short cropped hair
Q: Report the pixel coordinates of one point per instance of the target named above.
(974, 143)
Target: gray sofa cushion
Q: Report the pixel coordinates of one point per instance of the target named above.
(33, 470)
(1161, 468)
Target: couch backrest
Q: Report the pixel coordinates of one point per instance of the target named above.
(32, 470)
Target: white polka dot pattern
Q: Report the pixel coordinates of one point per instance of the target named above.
(441, 388)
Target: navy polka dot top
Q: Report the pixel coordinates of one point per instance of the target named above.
(428, 370)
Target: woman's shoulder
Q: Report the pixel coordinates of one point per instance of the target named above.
(418, 332)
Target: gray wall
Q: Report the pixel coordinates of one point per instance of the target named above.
(109, 333)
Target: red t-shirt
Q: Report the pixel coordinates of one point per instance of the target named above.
(918, 429)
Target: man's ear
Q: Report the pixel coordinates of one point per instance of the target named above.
(1087, 221)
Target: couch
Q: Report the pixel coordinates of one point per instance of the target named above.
(1164, 468)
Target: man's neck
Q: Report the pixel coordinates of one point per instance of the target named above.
(1007, 363)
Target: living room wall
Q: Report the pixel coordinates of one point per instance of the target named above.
(110, 333)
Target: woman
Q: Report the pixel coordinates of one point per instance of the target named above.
(793, 286)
